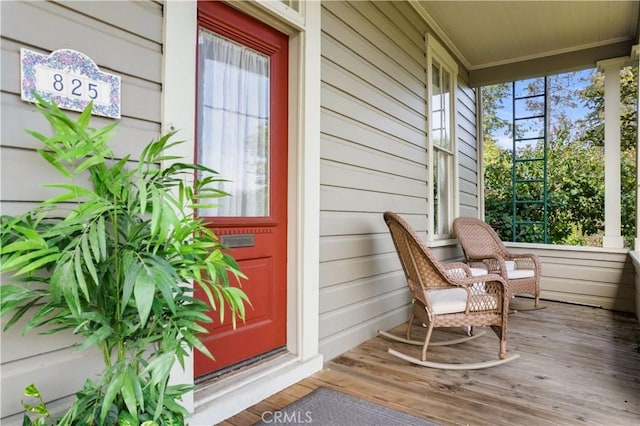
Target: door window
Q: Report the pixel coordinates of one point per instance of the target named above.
(233, 112)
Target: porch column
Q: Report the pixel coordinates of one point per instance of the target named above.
(636, 242)
(612, 210)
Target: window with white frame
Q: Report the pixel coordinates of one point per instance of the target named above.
(442, 73)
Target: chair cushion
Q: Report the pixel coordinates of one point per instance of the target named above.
(478, 271)
(512, 272)
(453, 300)
(448, 300)
(520, 273)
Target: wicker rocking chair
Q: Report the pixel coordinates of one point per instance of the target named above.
(447, 295)
(484, 249)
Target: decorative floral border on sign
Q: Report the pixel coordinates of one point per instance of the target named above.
(77, 64)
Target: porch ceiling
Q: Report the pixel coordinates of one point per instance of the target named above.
(506, 40)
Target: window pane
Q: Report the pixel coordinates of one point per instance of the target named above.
(441, 191)
(233, 117)
(440, 106)
(293, 4)
(446, 96)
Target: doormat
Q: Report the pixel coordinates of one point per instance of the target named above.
(326, 407)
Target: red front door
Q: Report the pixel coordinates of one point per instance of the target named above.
(242, 134)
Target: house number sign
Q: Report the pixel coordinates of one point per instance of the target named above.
(71, 80)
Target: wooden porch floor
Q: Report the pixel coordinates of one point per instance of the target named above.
(577, 365)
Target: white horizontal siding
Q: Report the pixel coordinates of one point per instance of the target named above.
(412, 22)
(17, 115)
(358, 44)
(127, 53)
(337, 53)
(353, 200)
(346, 270)
(592, 276)
(15, 162)
(341, 151)
(344, 104)
(344, 296)
(366, 138)
(57, 374)
(373, 159)
(124, 38)
(126, 16)
(348, 82)
(333, 322)
(32, 343)
(349, 223)
(348, 175)
(383, 34)
(351, 246)
(413, 29)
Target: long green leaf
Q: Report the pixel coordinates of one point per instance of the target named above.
(88, 260)
(196, 343)
(142, 195)
(131, 269)
(37, 264)
(74, 192)
(85, 117)
(51, 159)
(160, 368)
(22, 246)
(165, 283)
(144, 292)
(20, 311)
(131, 389)
(89, 162)
(102, 237)
(111, 393)
(93, 241)
(63, 284)
(12, 296)
(43, 315)
(156, 211)
(95, 337)
(18, 260)
(82, 283)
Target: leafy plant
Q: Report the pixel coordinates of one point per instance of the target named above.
(39, 408)
(114, 258)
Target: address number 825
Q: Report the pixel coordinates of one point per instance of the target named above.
(77, 87)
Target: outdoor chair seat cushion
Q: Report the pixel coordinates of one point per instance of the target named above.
(453, 300)
(478, 271)
(520, 273)
(512, 272)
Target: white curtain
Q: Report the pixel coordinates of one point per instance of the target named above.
(233, 117)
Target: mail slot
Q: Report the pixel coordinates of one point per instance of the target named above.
(238, 240)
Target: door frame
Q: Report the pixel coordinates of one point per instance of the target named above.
(216, 402)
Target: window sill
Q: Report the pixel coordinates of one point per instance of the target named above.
(443, 242)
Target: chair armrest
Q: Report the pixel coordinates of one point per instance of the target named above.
(494, 264)
(525, 261)
(473, 281)
(486, 293)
